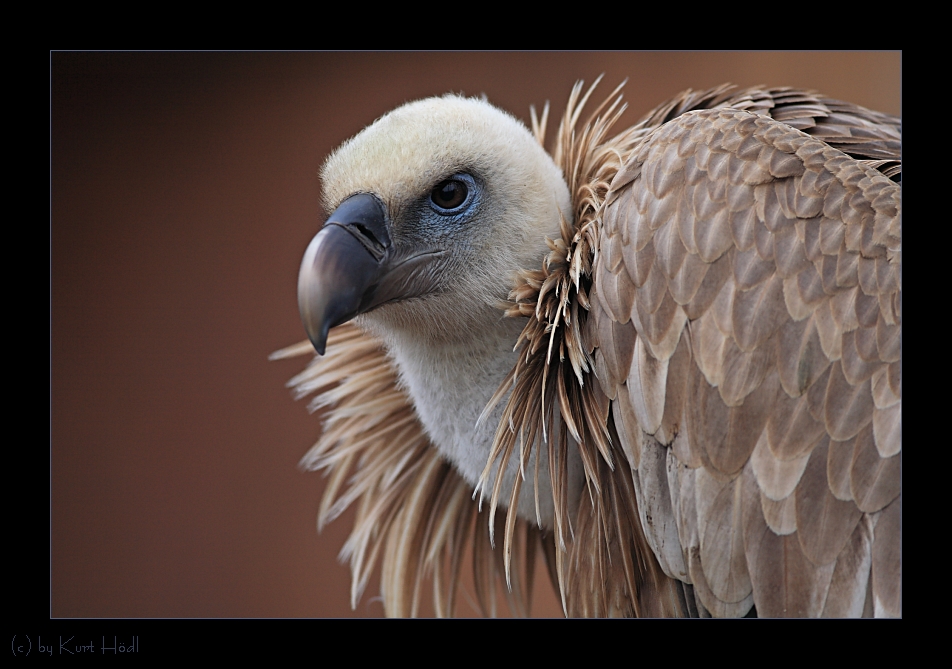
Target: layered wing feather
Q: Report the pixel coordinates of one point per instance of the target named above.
(746, 324)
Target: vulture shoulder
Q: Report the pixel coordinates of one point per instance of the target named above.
(717, 332)
(746, 325)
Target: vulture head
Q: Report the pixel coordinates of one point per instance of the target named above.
(436, 206)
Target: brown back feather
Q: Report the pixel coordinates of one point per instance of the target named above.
(555, 392)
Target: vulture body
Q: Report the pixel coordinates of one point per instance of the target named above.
(669, 357)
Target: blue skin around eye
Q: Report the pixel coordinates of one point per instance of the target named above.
(471, 197)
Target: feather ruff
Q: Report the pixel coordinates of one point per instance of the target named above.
(415, 514)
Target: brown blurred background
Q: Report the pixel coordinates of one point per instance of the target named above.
(184, 191)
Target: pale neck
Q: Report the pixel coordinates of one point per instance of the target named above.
(450, 384)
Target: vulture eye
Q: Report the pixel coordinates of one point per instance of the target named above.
(449, 196)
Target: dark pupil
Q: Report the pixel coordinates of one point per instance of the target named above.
(449, 194)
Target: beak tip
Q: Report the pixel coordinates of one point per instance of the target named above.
(319, 339)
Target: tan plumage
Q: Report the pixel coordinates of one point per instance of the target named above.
(714, 336)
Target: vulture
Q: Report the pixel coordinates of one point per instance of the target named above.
(667, 357)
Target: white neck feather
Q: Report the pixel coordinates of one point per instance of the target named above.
(450, 384)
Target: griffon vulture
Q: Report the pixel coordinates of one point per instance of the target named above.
(669, 357)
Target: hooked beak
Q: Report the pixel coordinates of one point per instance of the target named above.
(343, 266)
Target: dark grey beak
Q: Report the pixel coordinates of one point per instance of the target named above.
(343, 266)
